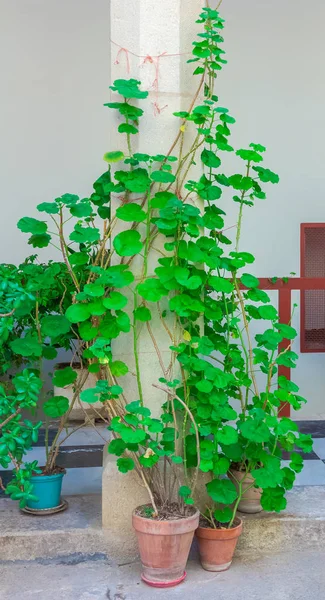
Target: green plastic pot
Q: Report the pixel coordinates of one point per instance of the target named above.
(48, 490)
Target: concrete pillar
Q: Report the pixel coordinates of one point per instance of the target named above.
(142, 31)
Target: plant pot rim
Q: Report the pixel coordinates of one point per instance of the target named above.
(221, 534)
(48, 476)
(164, 526)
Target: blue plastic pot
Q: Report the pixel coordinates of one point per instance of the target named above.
(48, 490)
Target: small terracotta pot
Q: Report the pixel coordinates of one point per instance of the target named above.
(164, 548)
(217, 546)
(251, 499)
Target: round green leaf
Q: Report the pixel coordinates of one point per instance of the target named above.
(151, 290)
(113, 157)
(77, 313)
(56, 407)
(94, 290)
(268, 312)
(55, 325)
(119, 368)
(116, 447)
(115, 301)
(125, 464)
(27, 346)
(34, 226)
(222, 490)
(91, 395)
(210, 159)
(128, 243)
(63, 377)
(255, 431)
(51, 208)
(142, 313)
(249, 280)
(131, 212)
(221, 284)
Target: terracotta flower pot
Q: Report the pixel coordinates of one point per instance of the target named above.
(217, 546)
(164, 548)
(251, 499)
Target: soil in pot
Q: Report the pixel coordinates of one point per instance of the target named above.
(164, 543)
(251, 499)
(217, 545)
(47, 488)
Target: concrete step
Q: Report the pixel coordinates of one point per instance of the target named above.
(77, 531)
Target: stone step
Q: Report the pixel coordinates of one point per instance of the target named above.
(78, 532)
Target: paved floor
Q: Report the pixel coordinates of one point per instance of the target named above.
(296, 576)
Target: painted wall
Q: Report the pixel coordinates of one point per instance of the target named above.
(274, 85)
(54, 61)
(55, 72)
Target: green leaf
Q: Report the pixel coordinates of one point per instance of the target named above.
(113, 157)
(305, 442)
(118, 368)
(151, 290)
(220, 284)
(142, 313)
(268, 312)
(129, 88)
(249, 155)
(223, 516)
(210, 159)
(149, 459)
(94, 290)
(87, 332)
(255, 431)
(297, 463)
(131, 212)
(84, 235)
(116, 447)
(222, 490)
(77, 313)
(268, 477)
(127, 128)
(273, 499)
(78, 258)
(128, 243)
(55, 325)
(204, 386)
(63, 377)
(40, 241)
(266, 176)
(51, 208)
(132, 436)
(287, 331)
(29, 225)
(227, 435)
(115, 301)
(83, 209)
(184, 491)
(91, 395)
(56, 407)
(249, 280)
(162, 177)
(125, 464)
(27, 346)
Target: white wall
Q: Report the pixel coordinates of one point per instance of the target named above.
(54, 130)
(274, 84)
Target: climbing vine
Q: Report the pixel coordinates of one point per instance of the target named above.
(199, 290)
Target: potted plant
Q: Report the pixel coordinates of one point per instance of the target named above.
(196, 295)
(17, 435)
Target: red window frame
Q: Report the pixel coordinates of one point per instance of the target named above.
(303, 348)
